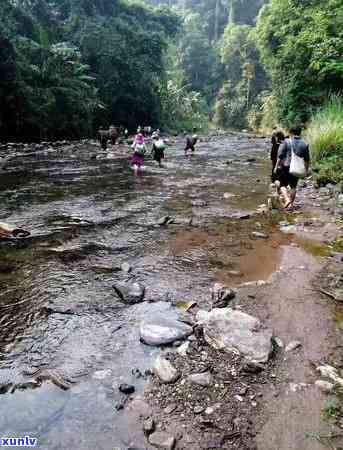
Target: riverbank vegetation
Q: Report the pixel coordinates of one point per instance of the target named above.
(325, 134)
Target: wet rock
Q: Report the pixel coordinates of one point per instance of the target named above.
(259, 235)
(201, 379)
(149, 426)
(325, 386)
(198, 409)
(163, 330)
(243, 390)
(125, 267)
(182, 350)
(236, 332)
(162, 440)
(120, 405)
(221, 295)
(292, 346)
(235, 273)
(130, 292)
(58, 309)
(330, 372)
(241, 216)
(163, 220)
(137, 373)
(199, 203)
(165, 371)
(279, 342)
(252, 367)
(170, 408)
(127, 389)
(102, 374)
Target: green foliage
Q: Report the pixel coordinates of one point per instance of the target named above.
(325, 135)
(70, 65)
(331, 409)
(197, 58)
(301, 44)
(244, 73)
(182, 108)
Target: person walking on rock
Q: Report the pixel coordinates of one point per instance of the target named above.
(293, 163)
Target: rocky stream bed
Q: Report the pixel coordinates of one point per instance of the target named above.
(168, 310)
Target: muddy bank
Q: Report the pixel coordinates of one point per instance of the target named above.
(72, 340)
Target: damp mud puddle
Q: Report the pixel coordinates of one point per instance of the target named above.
(67, 341)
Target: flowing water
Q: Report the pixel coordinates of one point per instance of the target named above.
(67, 341)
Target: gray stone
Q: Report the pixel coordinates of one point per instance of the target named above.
(162, 440)
(202, 379)
(198, 409)
(279, 342)
(163, 330)
(236, 332)
(170, 408)
(125, 267)
(221, 295)
(165, 371)
(148, 426)
(292, 346)
(163, 220)
(130, 292)
(199, 203)
(259, 235)
(325, 386)
(127, 389)
(252, 367)
(182, 350)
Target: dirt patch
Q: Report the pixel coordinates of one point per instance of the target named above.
(217, 416)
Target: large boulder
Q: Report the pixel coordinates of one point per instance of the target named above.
(161, 330)
(130, 292)
(236, 332)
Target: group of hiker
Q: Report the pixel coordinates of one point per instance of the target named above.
(290, 158)
(290, 155)
(139, 147)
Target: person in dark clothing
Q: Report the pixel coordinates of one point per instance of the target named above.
(190, 144)
(103, 138)
(113, 134)
(158, 148)
(287, 180)
(277, 138)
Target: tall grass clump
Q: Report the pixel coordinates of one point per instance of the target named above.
(325, 135)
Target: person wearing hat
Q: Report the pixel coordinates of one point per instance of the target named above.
(190, 144)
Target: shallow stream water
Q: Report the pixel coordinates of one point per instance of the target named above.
(60, 318)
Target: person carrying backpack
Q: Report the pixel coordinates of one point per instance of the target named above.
(158, 148)
(292, 164)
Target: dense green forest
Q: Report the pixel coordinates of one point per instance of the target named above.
(69, 66)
